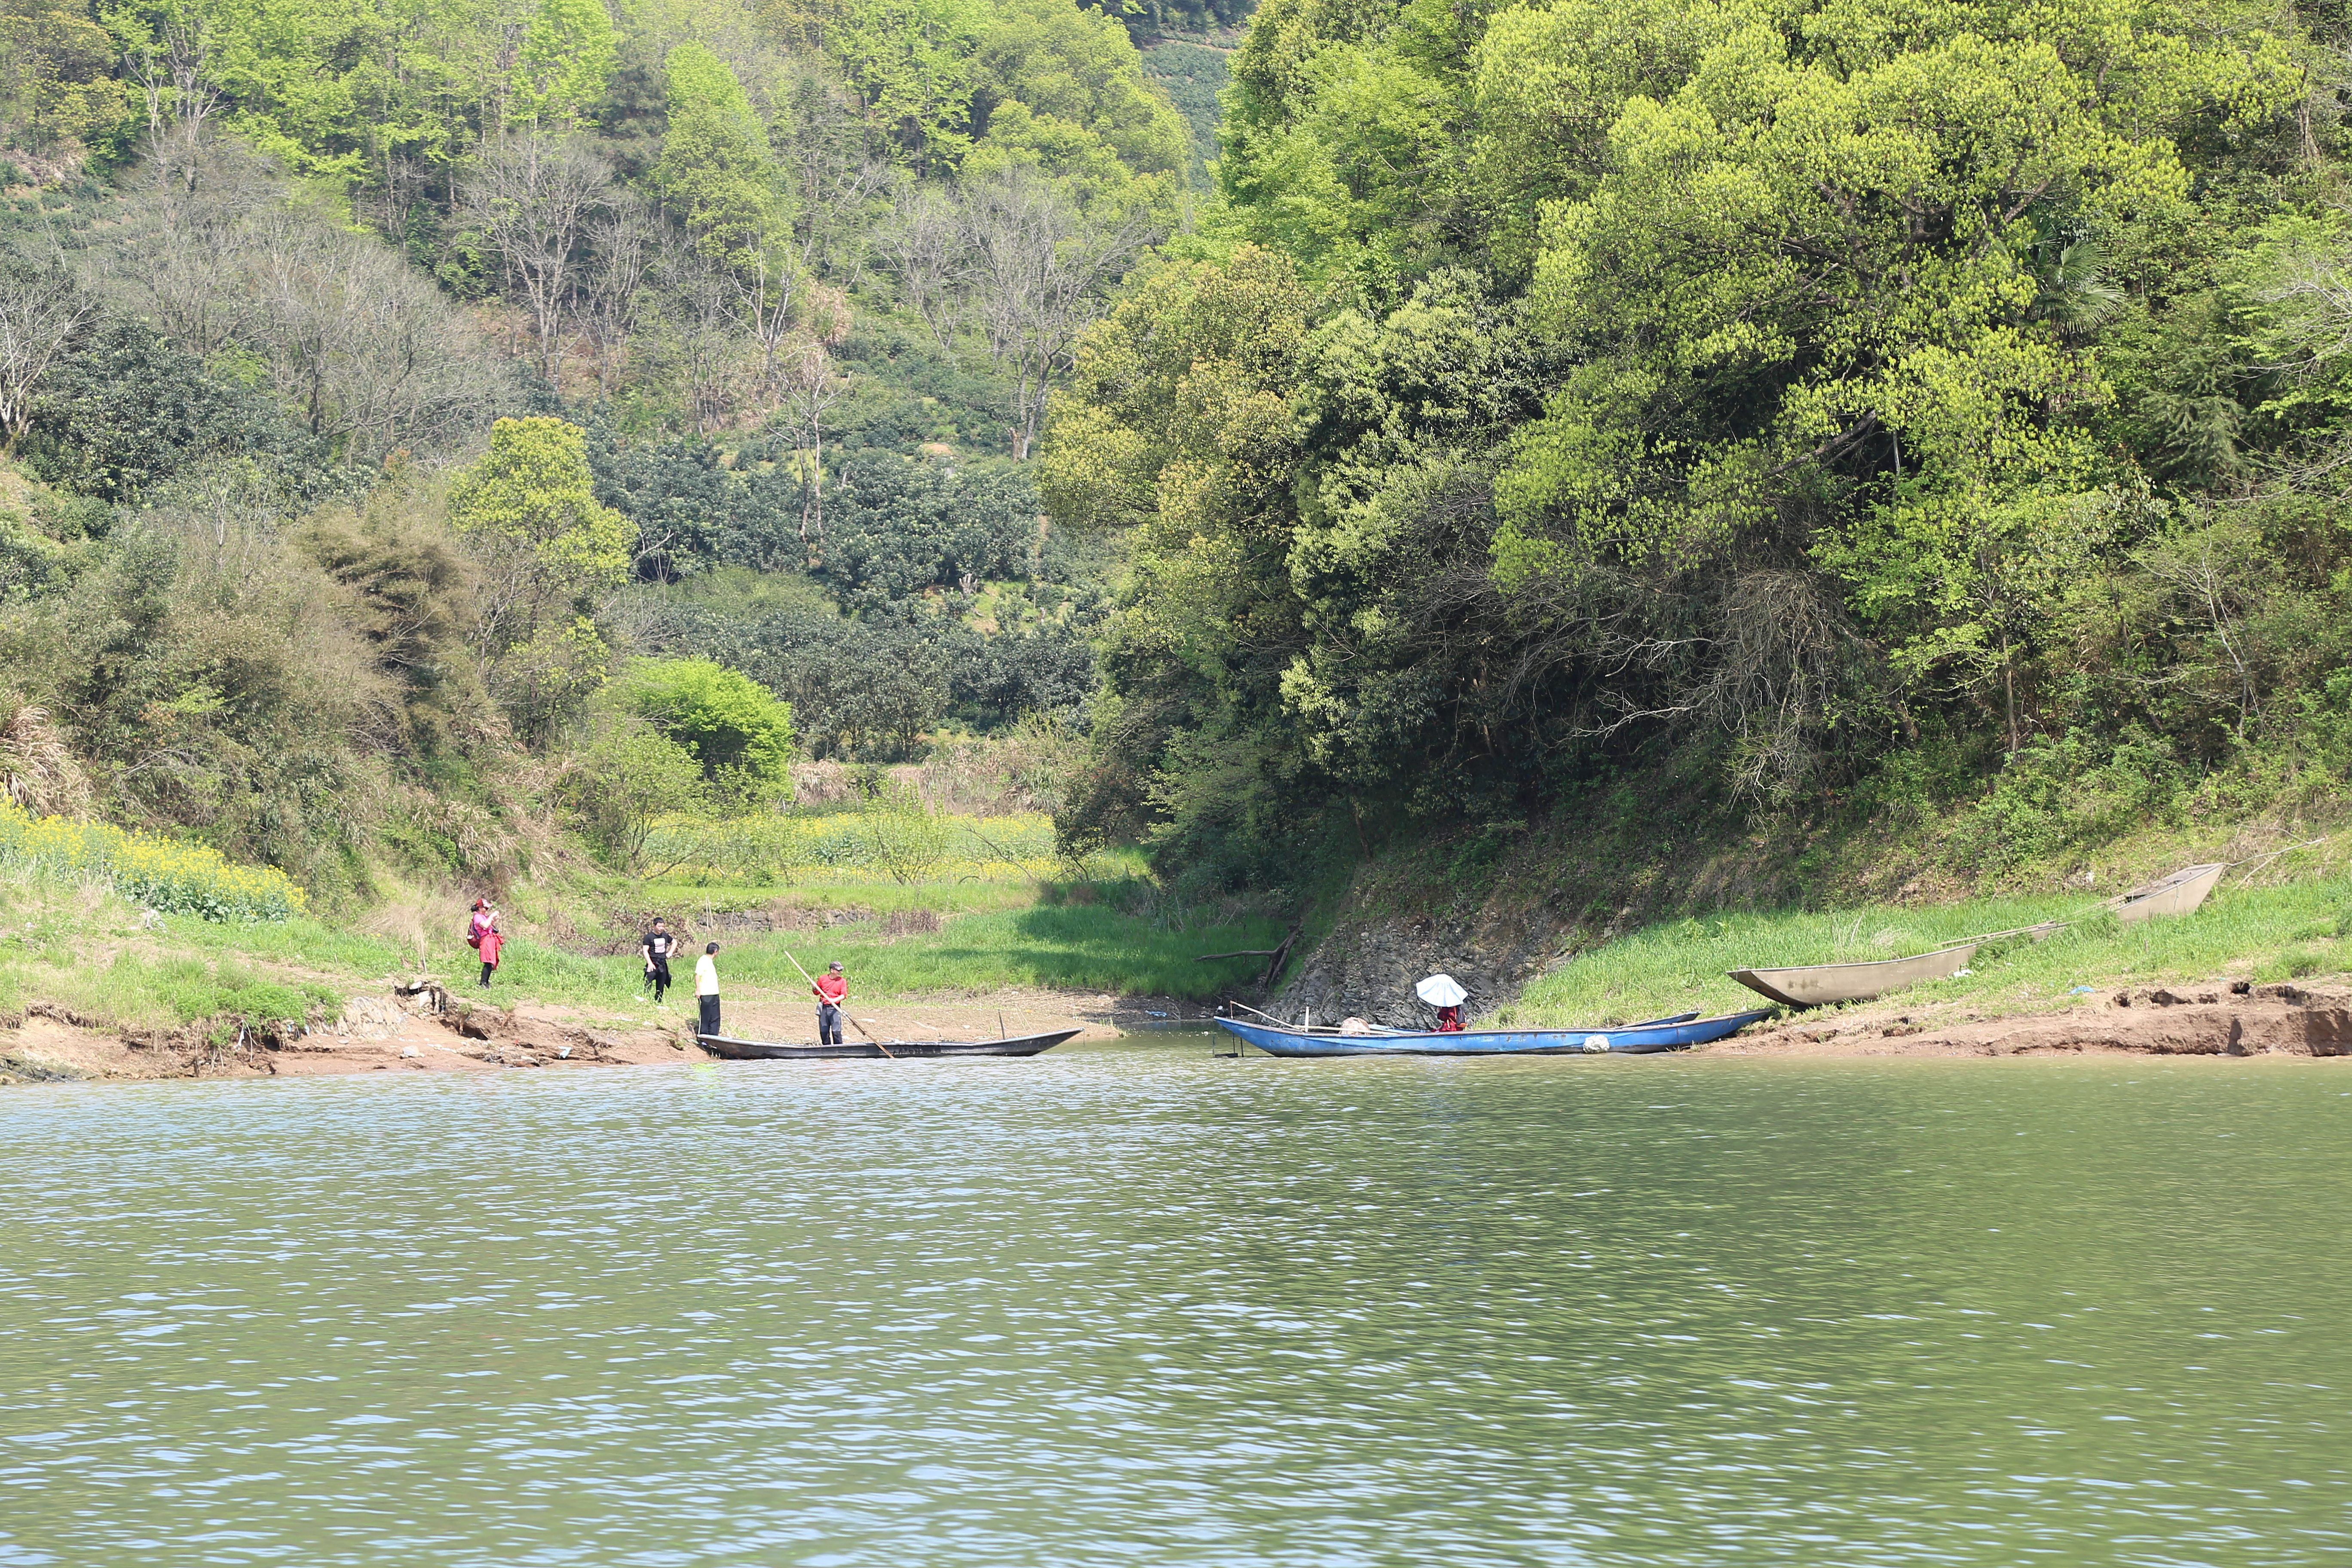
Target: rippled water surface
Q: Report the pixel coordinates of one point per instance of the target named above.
(1131, 1304)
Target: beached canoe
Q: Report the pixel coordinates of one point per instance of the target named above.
(2177, 894)
(1630, 1039)
(1817, 984)
(866, 1050)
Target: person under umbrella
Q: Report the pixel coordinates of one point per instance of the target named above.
(1444, 993)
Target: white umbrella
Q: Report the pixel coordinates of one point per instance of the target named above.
(1442, 991)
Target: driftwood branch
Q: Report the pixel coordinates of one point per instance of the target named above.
(1240, 953)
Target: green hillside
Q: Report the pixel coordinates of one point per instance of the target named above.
(1835, 425)
(386, 384)
(1898, 455)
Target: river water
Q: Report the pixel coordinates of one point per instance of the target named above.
(1131, 1304)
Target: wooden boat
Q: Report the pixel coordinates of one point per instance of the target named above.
(1816, 985)
(866, 1050)
(1625, 1039)
(2177, 894)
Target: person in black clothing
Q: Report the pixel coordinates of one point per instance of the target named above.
(657, 947)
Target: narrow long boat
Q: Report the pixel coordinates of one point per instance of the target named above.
(866, 1050)
(1817, 984)
(2177, 894)
(1624, 1040)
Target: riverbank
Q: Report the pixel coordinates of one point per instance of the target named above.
(2224, 1018)
(91, 986)
(420, 1028)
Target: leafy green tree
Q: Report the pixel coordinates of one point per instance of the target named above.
(565, 62)
(736, 730)
(716, 167)
(532, 490)
(620, 787)
(549, 548)
(57, 87)
(909, 63)
(1065, 88)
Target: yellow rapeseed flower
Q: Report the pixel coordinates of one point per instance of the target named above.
(157, 873)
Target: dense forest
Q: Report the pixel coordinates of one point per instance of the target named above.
(1731, 413)
(408, 407)
(1328, 424)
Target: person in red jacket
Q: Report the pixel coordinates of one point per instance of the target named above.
(482, 934)
(832, 991)
(1449, 1020)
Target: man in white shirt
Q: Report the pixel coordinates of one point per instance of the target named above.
(706, 988)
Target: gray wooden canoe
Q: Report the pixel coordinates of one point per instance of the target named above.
(1816, 985)
(2177, 894)
(866, 1050)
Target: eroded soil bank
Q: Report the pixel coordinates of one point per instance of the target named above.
(427, 1029)
(2222, 1019)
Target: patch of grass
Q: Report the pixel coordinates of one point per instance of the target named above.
(1082, 948)
(1072, 947)
(168, 990)
(826, 852)
(2253, 932)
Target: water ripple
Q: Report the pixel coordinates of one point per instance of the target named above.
(1133, 1305)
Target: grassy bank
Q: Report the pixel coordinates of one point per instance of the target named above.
(962, 929)
(990, 913)
(2271, 933)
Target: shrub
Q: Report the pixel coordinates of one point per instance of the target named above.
(731, 724)
(626, 781)
(758, 849)
(157, 873)
(903, 835)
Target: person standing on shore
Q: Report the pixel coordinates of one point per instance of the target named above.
(832, 991)
(706, 988)
(657, 947)
(482, 934)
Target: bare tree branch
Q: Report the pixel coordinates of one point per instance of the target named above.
(533, 195)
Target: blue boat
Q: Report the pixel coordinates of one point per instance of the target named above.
(1625, 1040)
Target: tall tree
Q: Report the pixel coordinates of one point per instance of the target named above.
(566, 58)
(720, 173)
(534, 195)
(1038, 273)
(40, 308)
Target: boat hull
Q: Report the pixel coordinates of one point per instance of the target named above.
(1818, 984)
(1639, 1039)
(2179, 894)
(866, 1050)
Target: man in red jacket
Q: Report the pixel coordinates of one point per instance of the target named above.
(832, 991)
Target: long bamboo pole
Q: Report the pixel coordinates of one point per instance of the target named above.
(845, 1012)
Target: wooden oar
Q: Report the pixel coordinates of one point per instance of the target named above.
(845, 1012)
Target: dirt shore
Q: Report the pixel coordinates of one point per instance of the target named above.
(429, 1030)
(2221, 1019)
